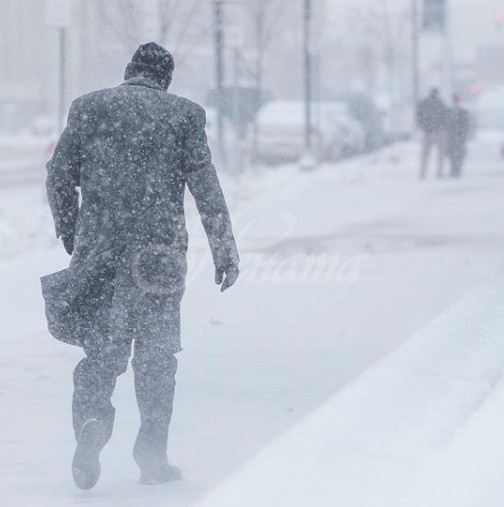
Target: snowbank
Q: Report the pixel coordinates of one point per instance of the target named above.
(424, 426)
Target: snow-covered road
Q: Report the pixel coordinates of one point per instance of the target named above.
(262, 356)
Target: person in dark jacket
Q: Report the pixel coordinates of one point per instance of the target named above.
(431, 118)
(132, 150)
(459, 125)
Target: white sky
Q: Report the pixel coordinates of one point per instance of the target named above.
(472, 23)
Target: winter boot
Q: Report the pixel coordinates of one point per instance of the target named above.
(159, 474)
(86, 467)
(150, 456)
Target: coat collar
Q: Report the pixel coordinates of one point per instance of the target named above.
(143, 81)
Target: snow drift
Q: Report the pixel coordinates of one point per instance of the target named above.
(407, 432)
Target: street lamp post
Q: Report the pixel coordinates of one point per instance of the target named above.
(447, 51)
(307, 76)
(58, 15)
(219, 68)
(308, 160)
(220, 71)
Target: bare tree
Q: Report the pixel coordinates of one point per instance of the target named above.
(264, 21)
(179, 24)
(383, 28)
(121, 18)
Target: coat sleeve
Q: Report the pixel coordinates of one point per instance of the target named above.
(204, 185)
(63, 177)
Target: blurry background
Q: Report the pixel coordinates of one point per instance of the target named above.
(250, 62)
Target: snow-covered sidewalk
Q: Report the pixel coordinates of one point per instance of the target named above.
(422, 427)
(260, 358)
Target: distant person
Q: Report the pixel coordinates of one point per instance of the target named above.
(431, 118)
(458, 127)
(132, 150)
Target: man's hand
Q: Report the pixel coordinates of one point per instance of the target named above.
(232, 272)
(68, 243)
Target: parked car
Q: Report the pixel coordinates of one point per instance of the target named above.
(349, 137)
(281, 131)
(364, 109)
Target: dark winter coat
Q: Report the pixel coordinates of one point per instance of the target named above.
(132, 150)
(432, 115)
(458, 127)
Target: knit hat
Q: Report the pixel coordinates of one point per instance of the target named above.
(151, 61)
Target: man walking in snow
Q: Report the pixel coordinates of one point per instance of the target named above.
(459, 124)
(131, 150)
(431, 118)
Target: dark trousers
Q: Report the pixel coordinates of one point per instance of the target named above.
(457, 162)
(432, 140)
(154, 366)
